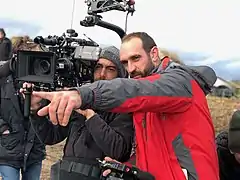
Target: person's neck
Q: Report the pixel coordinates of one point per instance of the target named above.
(152, 69)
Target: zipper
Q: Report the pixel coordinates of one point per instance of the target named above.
(144, 125)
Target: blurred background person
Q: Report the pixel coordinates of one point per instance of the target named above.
(5, 46)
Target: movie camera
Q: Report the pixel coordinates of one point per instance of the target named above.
(68, 61)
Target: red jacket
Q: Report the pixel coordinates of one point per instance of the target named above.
(174, 129)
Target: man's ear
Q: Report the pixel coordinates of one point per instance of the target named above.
(154, 54)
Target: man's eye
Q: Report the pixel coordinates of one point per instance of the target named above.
(112, 69)
(136, 58)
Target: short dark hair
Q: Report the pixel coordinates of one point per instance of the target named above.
(147, 41)
(3, 31)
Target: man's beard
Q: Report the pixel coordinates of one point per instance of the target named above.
(144, 73)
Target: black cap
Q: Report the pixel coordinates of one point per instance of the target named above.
(112, 54)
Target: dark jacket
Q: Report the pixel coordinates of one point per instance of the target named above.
(229, 167)
(105, 134)
(5, 49)
(21, 147)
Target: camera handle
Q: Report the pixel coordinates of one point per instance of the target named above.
(93, 20)
(27, 102)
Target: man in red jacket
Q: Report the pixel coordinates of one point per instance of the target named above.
(174, 130)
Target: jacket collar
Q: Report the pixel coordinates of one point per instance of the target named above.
(165, 62)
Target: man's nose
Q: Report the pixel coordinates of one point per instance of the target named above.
(131, 67)
(103, 73)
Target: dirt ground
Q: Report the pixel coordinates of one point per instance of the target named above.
(221, 110)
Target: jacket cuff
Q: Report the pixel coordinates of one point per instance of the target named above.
(93, 122)
(89, 97)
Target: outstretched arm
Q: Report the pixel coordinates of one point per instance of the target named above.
(168, 92)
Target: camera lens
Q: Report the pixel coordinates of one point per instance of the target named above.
(41, 67)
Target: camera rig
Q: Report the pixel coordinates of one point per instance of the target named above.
(67, 61)
(99, 6)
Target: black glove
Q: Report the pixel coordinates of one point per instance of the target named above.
(123, 172)
(141, 175)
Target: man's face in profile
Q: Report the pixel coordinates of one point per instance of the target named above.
(105, 70)
(135, 59)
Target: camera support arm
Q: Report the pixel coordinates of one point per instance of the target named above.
(91, 21)
(95, 7)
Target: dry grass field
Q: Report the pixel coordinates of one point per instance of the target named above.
(221, 110)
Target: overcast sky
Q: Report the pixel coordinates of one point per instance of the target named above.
(210, 27)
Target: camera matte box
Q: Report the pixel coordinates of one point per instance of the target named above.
(25, 66)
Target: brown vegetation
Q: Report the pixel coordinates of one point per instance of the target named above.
(24, 43)
(221, 110)
(172, 55)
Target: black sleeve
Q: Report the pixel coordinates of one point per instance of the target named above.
(49, 133)
(225, 158)
(9, 49)
(224, 165)
(115, 139)
(3, 124)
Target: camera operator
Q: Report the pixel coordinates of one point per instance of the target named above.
(228, 148)
(173, 125)
(91, 134)
(20, 150)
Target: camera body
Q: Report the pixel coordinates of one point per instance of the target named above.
(66, 61)
(69, 62)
